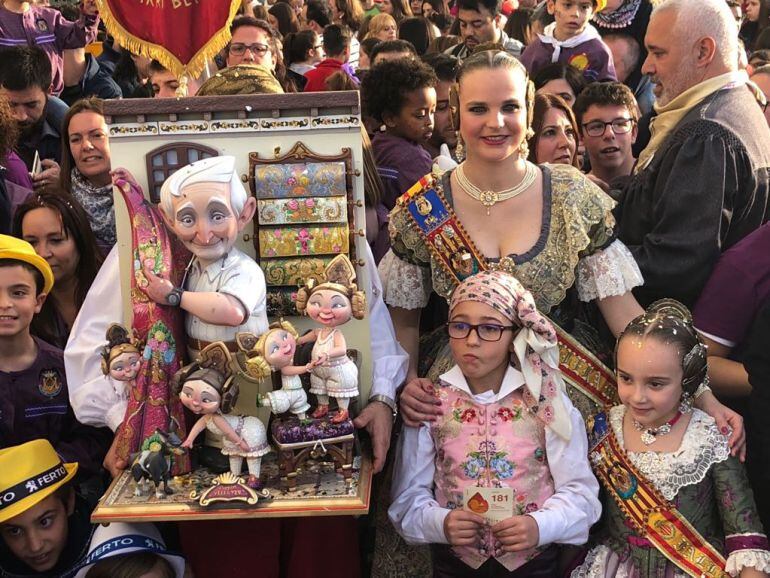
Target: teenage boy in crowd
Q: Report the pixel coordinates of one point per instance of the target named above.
(607, 114)
(34, 400)
(570, 39)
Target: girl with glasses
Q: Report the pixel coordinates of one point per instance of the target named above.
(502, 475)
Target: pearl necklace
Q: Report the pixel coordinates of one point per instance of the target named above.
(650, 434)
(491, 198)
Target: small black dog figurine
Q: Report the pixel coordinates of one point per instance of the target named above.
(154, 461)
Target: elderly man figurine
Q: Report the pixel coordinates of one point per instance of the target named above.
(206, 207)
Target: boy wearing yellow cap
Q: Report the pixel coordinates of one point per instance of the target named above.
(45, 529)
(572, 40)
(34, 402)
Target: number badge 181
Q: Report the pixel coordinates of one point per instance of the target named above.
(494, 504)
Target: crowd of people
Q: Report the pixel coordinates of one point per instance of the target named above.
(601, 170)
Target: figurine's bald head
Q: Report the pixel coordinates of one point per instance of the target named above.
(211, 170)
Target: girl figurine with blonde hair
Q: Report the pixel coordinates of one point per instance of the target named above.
(121, 359)
(207, 388)
(332, 303)
(273, 351)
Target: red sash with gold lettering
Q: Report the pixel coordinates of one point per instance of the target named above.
(651, 515)
(453, 249)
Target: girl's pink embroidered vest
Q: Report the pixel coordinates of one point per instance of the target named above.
(495, 445)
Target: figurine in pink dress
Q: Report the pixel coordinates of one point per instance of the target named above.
(332, 304)
(207, 389)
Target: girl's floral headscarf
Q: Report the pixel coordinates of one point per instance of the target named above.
(535, 345)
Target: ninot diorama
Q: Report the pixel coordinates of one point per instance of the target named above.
(240, 346)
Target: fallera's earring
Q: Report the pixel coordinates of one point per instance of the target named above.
(524, 146)
(460, 149)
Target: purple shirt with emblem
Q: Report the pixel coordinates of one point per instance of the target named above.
(46, 28)
(34, 404)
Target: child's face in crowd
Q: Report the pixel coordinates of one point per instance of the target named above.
(416, 6)
(557, 141)
(90, 145)
(610, 151)
(125, 366)
(414, 122)
(42, 228)
(571, 16)
(38, 536)
(18, 300)
(199, 397)
(483, 363)
(493, 113)
(649, 376)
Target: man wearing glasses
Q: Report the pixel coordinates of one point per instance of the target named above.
(250, 43)
(607, 114)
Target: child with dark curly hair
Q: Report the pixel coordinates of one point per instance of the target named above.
(400, 95)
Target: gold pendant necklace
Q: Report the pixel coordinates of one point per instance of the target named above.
(490, 198)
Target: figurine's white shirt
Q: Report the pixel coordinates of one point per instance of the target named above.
(237, 275)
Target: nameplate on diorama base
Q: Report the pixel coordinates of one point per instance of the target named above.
(319, 489)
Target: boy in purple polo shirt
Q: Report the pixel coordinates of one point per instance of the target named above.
(24, 23)
(34, 402)
(571, 39)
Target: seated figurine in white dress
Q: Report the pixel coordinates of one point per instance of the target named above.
(207, 388)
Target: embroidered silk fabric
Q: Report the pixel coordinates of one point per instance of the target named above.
(307, 210)
(499, 444)
(707, 485)
(577, 222)
(293, 242)
(280, 181)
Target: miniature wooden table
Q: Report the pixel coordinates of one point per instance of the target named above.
(293, 456)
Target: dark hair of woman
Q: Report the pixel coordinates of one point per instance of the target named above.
(287, 19)
(75, 225)
(557, 71)
(90, 104)
(351, 13)
(519, 26)
(544, 103)
(401, 10)
(418, 31)
(297, 45)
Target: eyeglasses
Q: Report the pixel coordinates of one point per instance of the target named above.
(256, 49)
(485, 331)
(619, 126)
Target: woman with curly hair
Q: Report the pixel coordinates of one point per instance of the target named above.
(15, 182)
(401, 95)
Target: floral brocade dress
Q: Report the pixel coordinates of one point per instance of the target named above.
(707, 485)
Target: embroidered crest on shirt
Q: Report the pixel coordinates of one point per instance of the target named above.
(50, 382)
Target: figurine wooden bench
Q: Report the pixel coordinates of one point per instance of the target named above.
(297, 442)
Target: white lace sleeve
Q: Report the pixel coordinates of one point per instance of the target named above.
(740, 559)
(607, 273)
(404, 284)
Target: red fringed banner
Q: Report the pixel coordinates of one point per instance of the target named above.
(180, 34)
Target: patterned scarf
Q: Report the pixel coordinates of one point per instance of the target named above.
(98, 203)
(535, 345)
(619, 18)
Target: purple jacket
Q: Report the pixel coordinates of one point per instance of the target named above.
(592, 57)
(34, 403)
(46, 28)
